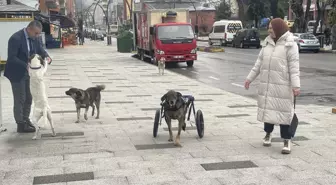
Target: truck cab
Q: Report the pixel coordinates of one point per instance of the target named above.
(175, 42)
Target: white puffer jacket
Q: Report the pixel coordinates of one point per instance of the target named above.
(279, 71)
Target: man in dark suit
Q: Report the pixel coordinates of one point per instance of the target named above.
(21, 46)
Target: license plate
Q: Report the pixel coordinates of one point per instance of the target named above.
(253, 39)
(178, 56)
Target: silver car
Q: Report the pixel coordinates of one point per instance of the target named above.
(307, 42)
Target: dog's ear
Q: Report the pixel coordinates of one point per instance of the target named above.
(41, 60)
(164, 97)
(179, 94)
(31, 58)
(79, 94)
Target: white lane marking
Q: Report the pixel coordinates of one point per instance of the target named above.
(213, 78)
(195, 72)
(238, 85)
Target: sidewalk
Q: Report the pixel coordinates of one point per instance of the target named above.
(116, 149)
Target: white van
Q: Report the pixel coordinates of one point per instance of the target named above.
(222, 31)
(311, 25)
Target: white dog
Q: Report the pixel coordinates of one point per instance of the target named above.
(162, 65)
(37, 69)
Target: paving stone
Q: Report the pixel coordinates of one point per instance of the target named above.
(126, 86)
(232, 115)
(108, 181)
(139, 95)
(154, 146)
(134, 118)
(58, 97)
(229, 165)
(147, 179)
(241, 106)
(63, 111)
(62, 134)
(303, 123)
(63, 178)
(296, 138)
(26, 173)
(118, 102)
(149, 109)
(211, 94)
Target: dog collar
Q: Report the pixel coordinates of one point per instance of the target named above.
(35, 67)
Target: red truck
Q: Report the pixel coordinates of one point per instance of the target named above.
(165, 33)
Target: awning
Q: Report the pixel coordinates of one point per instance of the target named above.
(65, 21)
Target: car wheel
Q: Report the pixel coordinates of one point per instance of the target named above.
(258, 47)
(190, 63)
(210, 43)
(316, 50)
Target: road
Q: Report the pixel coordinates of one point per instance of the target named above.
(228, 71)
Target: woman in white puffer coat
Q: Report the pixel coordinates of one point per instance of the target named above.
(278, 68)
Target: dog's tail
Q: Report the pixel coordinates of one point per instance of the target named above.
(100, 87)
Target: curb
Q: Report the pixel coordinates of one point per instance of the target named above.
(210, 49)
(322, 50)
(333, 110)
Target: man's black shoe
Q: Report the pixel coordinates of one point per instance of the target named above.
(29, 123)
(25, 128)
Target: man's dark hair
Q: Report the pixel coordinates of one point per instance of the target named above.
(36, 24)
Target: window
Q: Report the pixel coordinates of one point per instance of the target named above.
(219, 29)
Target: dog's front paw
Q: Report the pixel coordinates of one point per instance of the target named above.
(178, 144)
(97, 117)
(77, 121)
(170, 139)
(85, 117)
(34, 138)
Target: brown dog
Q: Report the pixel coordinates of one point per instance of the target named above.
(86, 98)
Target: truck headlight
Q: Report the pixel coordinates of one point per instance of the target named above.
(160, 52)
(193, 51)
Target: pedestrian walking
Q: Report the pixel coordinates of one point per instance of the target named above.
(21, 45)
(278, 68)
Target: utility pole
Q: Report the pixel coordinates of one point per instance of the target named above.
(109, 40)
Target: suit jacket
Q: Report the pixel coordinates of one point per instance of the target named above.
(18, 55)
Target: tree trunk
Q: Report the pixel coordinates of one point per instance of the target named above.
(274, 8)
(241, 11)
(318, 16)
(256, 22)
(306, 16)
(333, 33)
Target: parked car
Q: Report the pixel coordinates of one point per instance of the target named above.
(99, 35)
(246, 37)
(307, 42)
(222, 31)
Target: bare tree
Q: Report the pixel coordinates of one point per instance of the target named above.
(321, 10)
(301, 17)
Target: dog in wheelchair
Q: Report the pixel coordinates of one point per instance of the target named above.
(175, 107)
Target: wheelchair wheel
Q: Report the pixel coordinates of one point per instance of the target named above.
(200, 123)
(156, 122)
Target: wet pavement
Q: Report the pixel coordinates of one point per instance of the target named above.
(119, 148)
(228, 71)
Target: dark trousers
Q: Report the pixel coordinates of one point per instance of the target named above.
(284, 130)
(22, 100)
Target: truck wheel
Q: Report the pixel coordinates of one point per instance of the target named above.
(190, 63)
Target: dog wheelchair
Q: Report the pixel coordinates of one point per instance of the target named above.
(189, 100)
